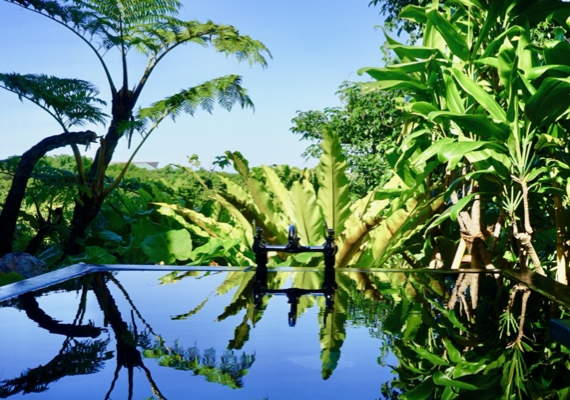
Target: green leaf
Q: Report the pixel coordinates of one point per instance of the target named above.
(453, 353)
(168, 247)
(10, 277)
(241, 165)
(414, 13)
(395, 84)
(422, 108)
(506, 64)
(432, 358)
(466, 368)
(536, 72)
(557, 52)
(545, 140)
(452, 96)
(461, 204)
(464, 147)
(279, 190)
(423, 391)
(95, 255)
(453, 39)
(479, 95)
(333, 196)
(455, 321)
(478, 124)
(550, 101)
(306, 214)
(439, 378)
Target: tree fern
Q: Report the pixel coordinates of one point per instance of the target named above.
(71, 102)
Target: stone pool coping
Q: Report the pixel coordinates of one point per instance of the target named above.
(74, 271)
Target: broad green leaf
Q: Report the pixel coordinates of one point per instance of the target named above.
(168, 247)
(453, 39)
(262, 199)
(414, 13)
(10, 277)
(422, 108)
(494, 46)
(388, 74)
(550, 101)
(536, 72)
(479, 95)
(461, 204)
(545, 140)
(452, 352)
(240, 163)
(109, 236)
(416, 53)
(465, 368)
(411, 67)
(433, 150)
(95, 255)
(557, 52)
(395, 84)
(333, 196)
(464, 147)
(506, 64)
(455, 321)
(490, 61)
(452, 96)
(279, 191)
(432, 358)
(306, 213)
(439, 378)
(478, 124)
(423, 391)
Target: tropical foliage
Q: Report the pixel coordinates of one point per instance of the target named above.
(486, 129)
(146, 27)
(367, 126)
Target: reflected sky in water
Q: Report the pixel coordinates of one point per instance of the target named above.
(200, 314)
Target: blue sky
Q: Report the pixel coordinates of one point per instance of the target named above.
(315, 44)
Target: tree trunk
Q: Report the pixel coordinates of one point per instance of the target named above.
(9, 216)
(89, 203)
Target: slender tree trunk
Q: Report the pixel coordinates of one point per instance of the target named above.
(560, 240)
(9, 216)
(89, 204)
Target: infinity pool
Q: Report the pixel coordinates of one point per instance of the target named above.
(187, 335)
(238, 335)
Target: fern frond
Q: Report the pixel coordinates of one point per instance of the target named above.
(72, 102)
(226, 90)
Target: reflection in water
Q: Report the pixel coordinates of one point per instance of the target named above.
(451, 339)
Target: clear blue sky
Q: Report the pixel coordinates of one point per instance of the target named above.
(316, 45)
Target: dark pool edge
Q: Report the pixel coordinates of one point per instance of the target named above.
(74, 271)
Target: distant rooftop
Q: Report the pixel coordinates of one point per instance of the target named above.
(142, 164)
